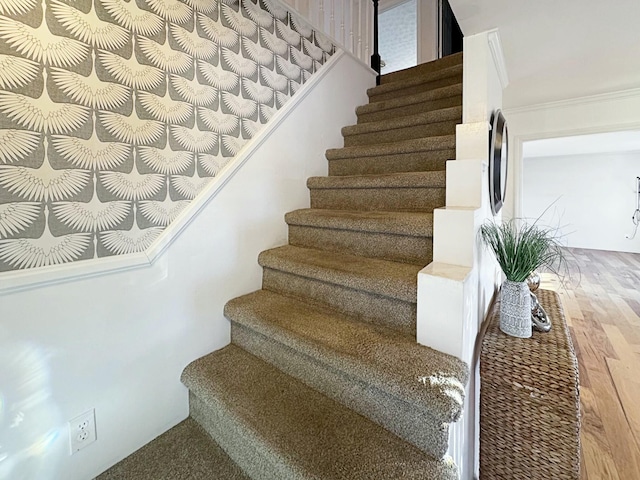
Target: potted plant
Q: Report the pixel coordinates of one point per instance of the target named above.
(520, 249)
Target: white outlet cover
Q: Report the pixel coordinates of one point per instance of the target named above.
(82, 431)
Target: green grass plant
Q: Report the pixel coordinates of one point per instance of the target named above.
(520, 248)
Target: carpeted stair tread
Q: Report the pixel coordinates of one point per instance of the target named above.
(392, 362)
(400, 75)
(440, 115)
(400, 163)
(284, 429)
(381, 277)
(185, 452)
(452, 74)
(440, 142)
(435, 99)
(399, 223)
(435, 178)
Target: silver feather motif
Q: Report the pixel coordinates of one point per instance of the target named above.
(217, 77)
(164, 109)
(276, 9)
(312, 50)
(218, 121)
(122, 242)
(273, 43)
(194, 140)
(171, 10)
(245, 67)
(41, 114)
(193, 44)
(288, 69)
(262, 56)
(232, 144)
(133, 18)
(44, 251)
(162, 213)
(261, 17)
(90, 91)
(41, 45)
(88, 28)
(16, 217)
(16, 145)
(241, 107)
(164, 160)
(131, 129)
(132, 186)
(217, 32)
(164, 57)
(91, 154)
(257, 92)
(212, 164)
(273, 79)
(17, 7)
(44, 183)
(16, 72)
(192, 92)
(92, 216)
(244, 26)
(203, 6)
(130, 72)
(189, 187)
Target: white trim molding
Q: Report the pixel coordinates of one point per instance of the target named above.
(495, 47)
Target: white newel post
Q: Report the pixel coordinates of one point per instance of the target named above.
(455, 290)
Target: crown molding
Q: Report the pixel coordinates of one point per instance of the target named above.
(495, 47)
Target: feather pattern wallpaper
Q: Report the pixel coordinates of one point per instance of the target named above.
(115, 114)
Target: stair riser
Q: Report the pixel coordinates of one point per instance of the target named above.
(419, 88)
(366, 306)
(424, 69)
(387, 199)
(238, 442)
(397, 248)
(398, 134)
(404, 162)
(397, 416)
(410, 109)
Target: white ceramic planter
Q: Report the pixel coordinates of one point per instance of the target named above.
(515, 309)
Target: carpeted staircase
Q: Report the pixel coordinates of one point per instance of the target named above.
(324, 378)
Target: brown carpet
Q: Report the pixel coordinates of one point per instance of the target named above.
(186, 452)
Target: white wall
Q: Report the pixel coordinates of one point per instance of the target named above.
(578, 116)
(593, 197)
(455, 291)
(94, 343)
(398, 36)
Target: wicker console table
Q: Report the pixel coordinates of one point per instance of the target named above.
(529, 401)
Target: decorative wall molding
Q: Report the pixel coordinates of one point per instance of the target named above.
(577, 101)
(495, 47)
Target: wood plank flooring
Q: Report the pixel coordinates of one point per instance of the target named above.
(602, 306)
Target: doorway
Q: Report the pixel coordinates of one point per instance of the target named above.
(450, 33)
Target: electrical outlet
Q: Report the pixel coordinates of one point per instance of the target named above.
(82, 431)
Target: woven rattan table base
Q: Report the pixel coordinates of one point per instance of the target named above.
(529, 401)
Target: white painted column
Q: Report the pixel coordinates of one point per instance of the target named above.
(455, 290)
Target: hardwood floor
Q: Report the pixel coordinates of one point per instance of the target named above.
(602, 307)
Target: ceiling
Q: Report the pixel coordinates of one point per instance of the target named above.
(611, 142)
(560, 49)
